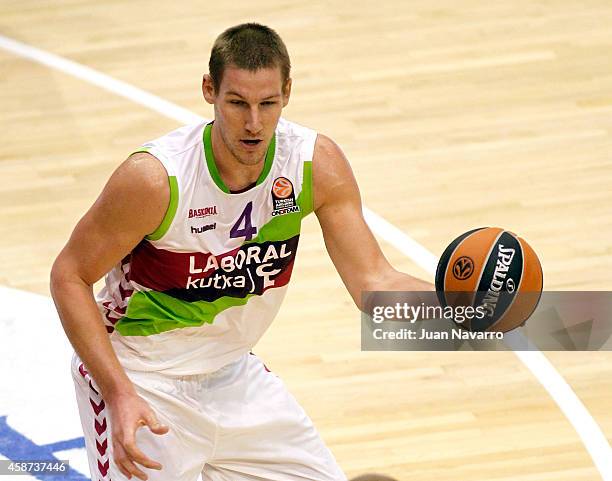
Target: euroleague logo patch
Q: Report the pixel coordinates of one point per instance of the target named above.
(283, 197)
(282, 188)
(463, 268)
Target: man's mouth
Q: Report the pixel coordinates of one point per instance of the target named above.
(250, 143)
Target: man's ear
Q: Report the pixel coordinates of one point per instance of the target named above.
(286, 92)
(208, 89)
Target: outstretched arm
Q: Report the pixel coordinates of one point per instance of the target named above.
(348, 239)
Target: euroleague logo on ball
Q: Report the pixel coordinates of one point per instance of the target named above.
(463, 268)
(282, 188)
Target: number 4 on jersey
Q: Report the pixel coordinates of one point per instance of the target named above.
(248, 230)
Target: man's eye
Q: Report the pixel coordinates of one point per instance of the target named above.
(268, 102)
(237, 102)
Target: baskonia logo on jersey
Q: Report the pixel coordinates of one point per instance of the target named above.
(283, 197)
(202, 212)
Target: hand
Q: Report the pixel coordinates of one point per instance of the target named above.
(128, 413)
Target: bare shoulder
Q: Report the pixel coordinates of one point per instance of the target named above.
(132, 204)
(333, 177)
(136, 196)
(328, 154)
(143, 171)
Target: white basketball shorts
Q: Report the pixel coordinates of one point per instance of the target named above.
(238, 423)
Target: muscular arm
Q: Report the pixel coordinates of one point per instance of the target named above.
(131, 205)
(349, 241)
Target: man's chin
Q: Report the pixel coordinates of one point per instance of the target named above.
(250, 162)
(251, 158)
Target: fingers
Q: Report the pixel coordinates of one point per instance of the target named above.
(135, 454)
(125, 465)
(154, 425)
(133, 413)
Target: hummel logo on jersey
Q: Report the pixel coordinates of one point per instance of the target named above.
(204, 228)
(203, 212)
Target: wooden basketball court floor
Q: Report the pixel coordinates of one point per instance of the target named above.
(454, 115)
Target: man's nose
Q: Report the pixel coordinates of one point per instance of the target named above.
(253, 124)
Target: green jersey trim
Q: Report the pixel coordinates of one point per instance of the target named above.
(212, 165)
(308, 198)
(172, 204)
(151, 312)
(170, 212)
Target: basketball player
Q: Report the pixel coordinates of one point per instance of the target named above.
(196, 235)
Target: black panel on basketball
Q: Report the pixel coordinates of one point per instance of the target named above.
(504, 268)
(443, 264)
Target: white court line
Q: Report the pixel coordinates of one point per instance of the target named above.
(101, 80)
(567, 400)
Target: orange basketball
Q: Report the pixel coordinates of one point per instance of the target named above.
(495, 271)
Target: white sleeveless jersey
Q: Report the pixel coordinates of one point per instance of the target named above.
(201, 290)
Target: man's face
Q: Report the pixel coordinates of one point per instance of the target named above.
(247, 108)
